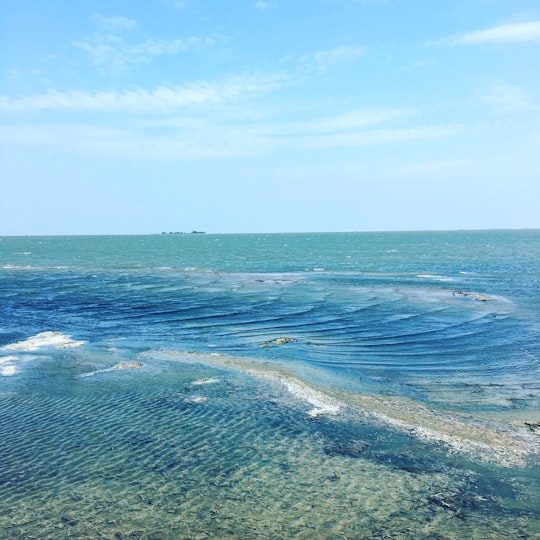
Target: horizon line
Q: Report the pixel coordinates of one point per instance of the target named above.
(204, 233)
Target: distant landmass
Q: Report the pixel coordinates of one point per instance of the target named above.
(192, 232)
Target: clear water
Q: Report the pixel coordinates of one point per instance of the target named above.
(357, 385)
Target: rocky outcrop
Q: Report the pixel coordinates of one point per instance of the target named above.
(277, 341)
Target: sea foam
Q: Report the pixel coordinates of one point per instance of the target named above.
(7, 366)
(43, 340)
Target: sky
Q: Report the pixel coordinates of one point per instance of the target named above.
(237, 116)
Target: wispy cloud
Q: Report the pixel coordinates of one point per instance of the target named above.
(508, 33)
(322, 60)
(162, 98)
(345, 123)
(508, 98)
(114, 23)
(261, 5)
(112, 52)
(109, 50)
(364, 137)
(202, 133)
(203, 139)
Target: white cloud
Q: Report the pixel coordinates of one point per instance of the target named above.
(112, 52)
(201, 139)
(214, 134)
(262, 5)
(508, 33)
(160, 99)
(346, 122)
(376, 136)
(115, 23)
(507, 98)
(327, 58)
(350, 121)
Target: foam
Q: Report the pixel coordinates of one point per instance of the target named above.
(55, 340)
(7, 366)
(434, 277)
(121, 366)
(323, 404)
(201, 382)
(195, 399)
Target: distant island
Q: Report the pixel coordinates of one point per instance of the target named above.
(192, 232)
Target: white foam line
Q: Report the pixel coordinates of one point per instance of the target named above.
(42, 340)
(323, 404)
(7, 367)
(124, 365)
(201, 382)
(195, 399)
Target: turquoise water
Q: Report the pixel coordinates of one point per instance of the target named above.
(351, 385)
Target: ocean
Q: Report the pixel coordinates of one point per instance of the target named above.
(280, 386)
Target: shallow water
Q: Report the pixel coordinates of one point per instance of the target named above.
(270, 386)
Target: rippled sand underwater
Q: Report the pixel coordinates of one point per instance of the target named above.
(175, 446)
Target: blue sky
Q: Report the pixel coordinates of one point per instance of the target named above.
(122, 116)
